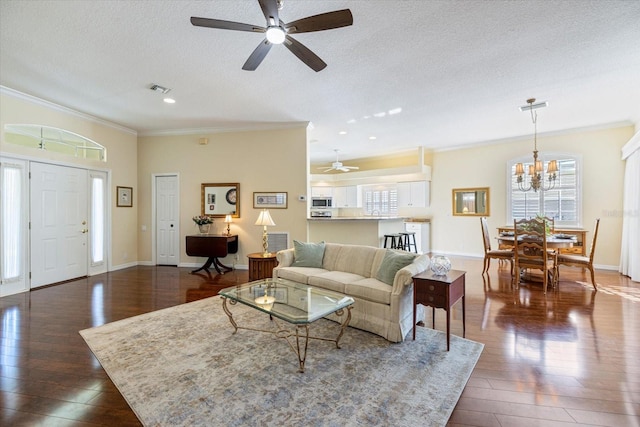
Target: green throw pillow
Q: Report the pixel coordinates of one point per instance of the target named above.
(391, 263)
(308, 254)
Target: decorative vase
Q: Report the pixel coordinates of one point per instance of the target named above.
(440, 265)
(204, 228)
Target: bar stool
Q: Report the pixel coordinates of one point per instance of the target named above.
(393, 240)
(408, 239)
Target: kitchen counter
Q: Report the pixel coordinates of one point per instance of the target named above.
(354, 230)
(360, 218)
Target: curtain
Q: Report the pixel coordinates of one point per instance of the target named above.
(630, 250)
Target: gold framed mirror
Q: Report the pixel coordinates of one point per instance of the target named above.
(220, 200)
(470, 201)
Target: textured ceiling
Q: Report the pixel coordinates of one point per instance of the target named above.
(457, 69)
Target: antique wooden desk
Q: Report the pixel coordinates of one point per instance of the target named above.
(212, 246)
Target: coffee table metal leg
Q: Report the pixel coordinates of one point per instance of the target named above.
(229, 315)
(344, 324)
(302, 353)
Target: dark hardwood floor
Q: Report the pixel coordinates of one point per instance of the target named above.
(570, 357)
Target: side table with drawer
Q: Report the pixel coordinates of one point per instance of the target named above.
(439, 292)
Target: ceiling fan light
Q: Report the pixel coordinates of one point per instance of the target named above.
(275, 35)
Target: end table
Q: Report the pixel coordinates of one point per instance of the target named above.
(439, 292)
(260, 266)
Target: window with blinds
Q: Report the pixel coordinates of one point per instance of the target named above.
(380, 199)
(562, 203)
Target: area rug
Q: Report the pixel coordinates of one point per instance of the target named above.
(183, 366)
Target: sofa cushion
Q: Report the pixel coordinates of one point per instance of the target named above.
(392, 262)
(334, 280)
(369, 289)
(299, 274)
(308, 254)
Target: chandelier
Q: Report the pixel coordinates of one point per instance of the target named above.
(536, 170)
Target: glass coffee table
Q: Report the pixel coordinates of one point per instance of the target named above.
(295, 303)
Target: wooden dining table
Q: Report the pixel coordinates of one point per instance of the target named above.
(553, 241)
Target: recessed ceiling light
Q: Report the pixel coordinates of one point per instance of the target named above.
(343, 132)
(352, 121)
(395, 111)
(382, 114)
(372, 138)
(366, 117)
(169, 100)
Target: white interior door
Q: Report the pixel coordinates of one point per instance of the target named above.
(59, 223)
(167, 224)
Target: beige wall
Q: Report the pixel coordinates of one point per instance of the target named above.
(602, 184)
(277, 160)
(273, 160)
(121, 159)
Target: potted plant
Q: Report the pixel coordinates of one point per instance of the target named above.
(203, 223)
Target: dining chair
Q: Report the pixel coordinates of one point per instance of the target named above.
(530, 250)
(551, 222)
(583, 261)
(499, 254)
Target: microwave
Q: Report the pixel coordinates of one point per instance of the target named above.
(321, 202)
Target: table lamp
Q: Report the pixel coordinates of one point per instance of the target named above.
(265, 221)
(228, 220)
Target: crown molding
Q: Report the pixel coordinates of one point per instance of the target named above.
(602, 126)
(57, 107)
(245, 127)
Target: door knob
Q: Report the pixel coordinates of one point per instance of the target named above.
(85, 231)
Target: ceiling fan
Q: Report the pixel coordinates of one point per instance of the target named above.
(277, 32)
(338, 166)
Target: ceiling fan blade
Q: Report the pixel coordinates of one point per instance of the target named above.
(352, 167)
(226, 25)
(323, 21)
(304, 54)
(270, 11)
(326, 169)
(257, 56)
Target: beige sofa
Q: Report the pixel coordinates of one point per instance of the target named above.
(381, 308)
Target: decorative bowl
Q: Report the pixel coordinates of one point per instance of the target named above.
(440, 265)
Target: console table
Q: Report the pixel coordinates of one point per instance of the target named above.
(212, 246)
(439, 292)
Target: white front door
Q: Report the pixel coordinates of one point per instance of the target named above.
(167, 223)
(59, 223)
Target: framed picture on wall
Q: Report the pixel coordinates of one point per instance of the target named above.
(266, 200)
(124, 197)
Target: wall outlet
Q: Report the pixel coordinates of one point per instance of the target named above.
(302, 198)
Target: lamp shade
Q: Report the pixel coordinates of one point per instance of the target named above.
(228, 218)
(519, 169)
(552, 167)
(265, 219)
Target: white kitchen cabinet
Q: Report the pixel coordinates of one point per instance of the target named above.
(321, 191)
(423, 235)
(345, 197)
(413, 194)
